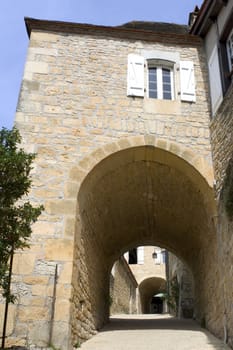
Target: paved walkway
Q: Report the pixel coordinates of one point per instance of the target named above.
(152, 332)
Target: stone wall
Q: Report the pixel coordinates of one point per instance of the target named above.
(222, 144)
(123, 289)
(73, 112)
(177, 269)
(221, 129)
(149, 268)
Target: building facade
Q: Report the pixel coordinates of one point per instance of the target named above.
(215, 25)
(148, 265)
(123, 289)
(119, 118)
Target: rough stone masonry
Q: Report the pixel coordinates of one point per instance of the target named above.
(113, 172)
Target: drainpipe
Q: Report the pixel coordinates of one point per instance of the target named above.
(220, 255)
(53, 305)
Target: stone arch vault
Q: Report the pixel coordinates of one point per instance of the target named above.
(148, 288)
(139, 191)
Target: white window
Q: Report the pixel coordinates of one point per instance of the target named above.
(160, 82)
(230, 50)
(160, 78)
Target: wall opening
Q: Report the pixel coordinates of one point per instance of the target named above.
(156, 305)
(134, 197)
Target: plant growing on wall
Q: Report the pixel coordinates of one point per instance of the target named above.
(173, 296)
(227, 190)
(16, 213)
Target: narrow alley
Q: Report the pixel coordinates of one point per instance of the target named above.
(150, 332)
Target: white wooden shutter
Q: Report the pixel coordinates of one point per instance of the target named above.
(135, 79)
(187, 81)
(140, 255)
(126, 256)
(215, 80)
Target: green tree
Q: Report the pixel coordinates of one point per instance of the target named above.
(16, 213)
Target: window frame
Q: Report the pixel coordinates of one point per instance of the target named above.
(229, 48)
(159, 65)
(226, 70)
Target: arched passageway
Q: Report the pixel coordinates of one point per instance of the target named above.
(148, 289)
(141, 196)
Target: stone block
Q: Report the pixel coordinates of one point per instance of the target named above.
(33, 313)
(10, 319)
(71, 190)
(39, 332)
(77, 174)
(63, 291)
(43, 36)
(66, 273)
(40, 290)
(52, 109)
(43, 280)
(65, 207)
(69, 227)
(62, 310)
(37, 67)
(23, 263)
(44, 228)
(61, 335)
(14, 342)
(38, 301)
(59, 249)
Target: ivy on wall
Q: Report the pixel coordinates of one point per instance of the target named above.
(227, 190)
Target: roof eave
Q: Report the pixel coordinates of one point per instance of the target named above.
(207, 14)
(121, 32)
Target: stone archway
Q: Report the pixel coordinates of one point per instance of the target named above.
(148, 288)
(140, 191)
(86, 165)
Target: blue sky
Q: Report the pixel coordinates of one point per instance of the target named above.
(14, 40)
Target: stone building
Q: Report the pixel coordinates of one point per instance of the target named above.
(215, 25)
(149, 270)
(120, 120)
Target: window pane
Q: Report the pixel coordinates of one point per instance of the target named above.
(166, 78)
(167, 95)
(153, 83)
(152, 71)
(230, 50)
(152, 94)
(166, 71)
